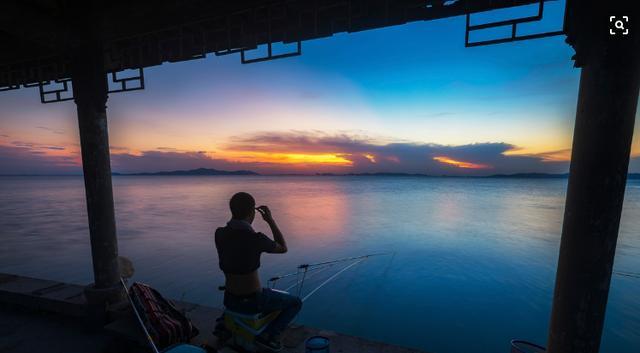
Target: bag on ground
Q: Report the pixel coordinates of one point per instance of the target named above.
(166, 324)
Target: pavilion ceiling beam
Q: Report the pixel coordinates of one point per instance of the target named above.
(374, 13)
(147, 33)
(31, 25)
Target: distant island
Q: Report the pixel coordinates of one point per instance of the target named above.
(515, 175)
(377, 174)
(199, 171)
(211, 172)
(533, 175)
(207, 171)
(548, 176)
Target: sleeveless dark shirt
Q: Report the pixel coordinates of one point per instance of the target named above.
(239, 248)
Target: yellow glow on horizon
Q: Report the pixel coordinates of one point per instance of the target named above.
(460, 164)
(335, 159)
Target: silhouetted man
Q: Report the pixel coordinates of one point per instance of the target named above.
(239, 249)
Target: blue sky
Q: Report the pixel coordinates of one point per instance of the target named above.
(408, 98)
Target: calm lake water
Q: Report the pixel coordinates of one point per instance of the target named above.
(473, 265)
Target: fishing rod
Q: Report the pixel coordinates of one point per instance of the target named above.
(320, 265)
(316, 272)
(342, 260)
(317, 269)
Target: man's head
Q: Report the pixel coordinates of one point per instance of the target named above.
(243, 206)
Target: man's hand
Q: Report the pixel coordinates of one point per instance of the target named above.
(281, 245)
(265, 212)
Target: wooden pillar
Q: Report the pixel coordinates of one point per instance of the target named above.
(605, 116)
(90, 93)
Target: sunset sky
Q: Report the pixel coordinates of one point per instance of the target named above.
(401, 99)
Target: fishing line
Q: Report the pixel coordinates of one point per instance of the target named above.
(385, 274)
(627, 274)
(297, 279)
(364, 310)
(318, 265)
(304, 275)
(330, 279)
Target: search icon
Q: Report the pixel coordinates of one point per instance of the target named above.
(618, 24)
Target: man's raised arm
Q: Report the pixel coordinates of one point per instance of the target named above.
(281, 244)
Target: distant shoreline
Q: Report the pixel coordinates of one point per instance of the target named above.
(215, 172)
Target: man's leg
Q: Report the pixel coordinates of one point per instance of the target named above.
(242, 305)
(288, 305)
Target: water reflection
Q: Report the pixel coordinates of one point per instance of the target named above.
(474, 259)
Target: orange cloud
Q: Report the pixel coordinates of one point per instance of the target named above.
(294, 152)
(370, 157)
(460, 164)
(562, 155)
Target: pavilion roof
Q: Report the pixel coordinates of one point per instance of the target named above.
(37, 36)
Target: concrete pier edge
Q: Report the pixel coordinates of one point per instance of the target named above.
(69, 300)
